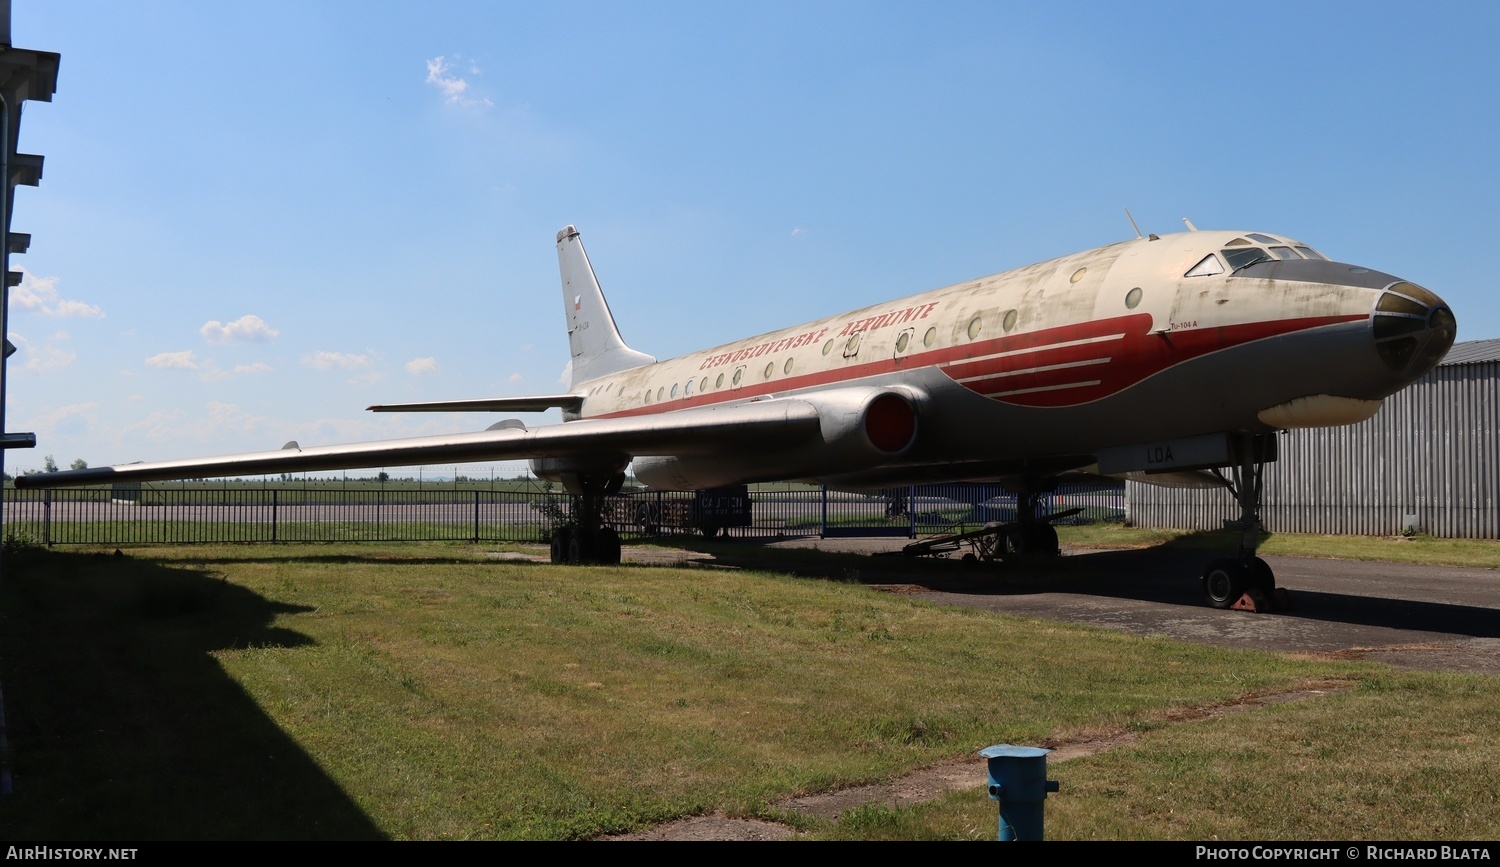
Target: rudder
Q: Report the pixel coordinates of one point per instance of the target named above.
(594, 341)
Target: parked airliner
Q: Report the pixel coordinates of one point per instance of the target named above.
(1165, 356)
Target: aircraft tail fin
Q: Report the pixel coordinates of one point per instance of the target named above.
(593, 340)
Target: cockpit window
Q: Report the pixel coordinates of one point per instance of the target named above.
(1311, 253)
(1284, 253)
(1264, 239)
(1238, 242)
(1238, 259)
(1207, 266)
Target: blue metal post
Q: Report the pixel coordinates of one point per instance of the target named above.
(1018, 780)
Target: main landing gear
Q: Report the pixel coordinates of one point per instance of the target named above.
(1030, 536)
(1245, 582)
(585, 540)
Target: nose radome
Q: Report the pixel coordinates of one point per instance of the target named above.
(1413, 328)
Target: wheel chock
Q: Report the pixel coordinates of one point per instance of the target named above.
(1253, 601)
(1256, 602)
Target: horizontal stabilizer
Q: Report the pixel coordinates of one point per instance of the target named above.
(535, 403)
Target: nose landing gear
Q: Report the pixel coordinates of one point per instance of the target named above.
(1245, 582)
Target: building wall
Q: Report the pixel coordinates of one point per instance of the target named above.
(1432, 451)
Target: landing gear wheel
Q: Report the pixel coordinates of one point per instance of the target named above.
(608, 547)
(560, 539)
(1038, 540)
(1224, 581)
(1260, 577)
(969, 560)
(577, 551)
(1046, 541)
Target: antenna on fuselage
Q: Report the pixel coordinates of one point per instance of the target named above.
(1189, 224)
(1132, 224)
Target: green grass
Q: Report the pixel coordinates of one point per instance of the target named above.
(1363, 764)
(422, 692)
(1483, 553)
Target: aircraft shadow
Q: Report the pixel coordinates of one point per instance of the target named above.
(1168, 574)
(121, 724)
(1171, 575)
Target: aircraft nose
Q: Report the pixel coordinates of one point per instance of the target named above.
(1413, 329)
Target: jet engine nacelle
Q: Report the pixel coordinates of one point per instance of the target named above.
(859, 428)
(594, 474)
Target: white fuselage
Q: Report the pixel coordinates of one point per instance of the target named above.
(1107, 347)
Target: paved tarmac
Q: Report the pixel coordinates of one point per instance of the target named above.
(1420, 617)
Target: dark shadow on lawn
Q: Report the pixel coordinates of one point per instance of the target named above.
(123, 727)
(1167, 574)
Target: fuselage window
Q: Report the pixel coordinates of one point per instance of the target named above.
(674, 390)
(719, 382)
(648, 395)
(930, 337)
(1009, 321)
(851, 348)
(975, 326)
(687, 388)
(659, 392)
(703, 386)
(828, 347)
(1133, 298)
(739, 374)
(1238, 259)
(787, 368)
(770, 369)
(903, 341)
(1207, 266)
(1078, 275)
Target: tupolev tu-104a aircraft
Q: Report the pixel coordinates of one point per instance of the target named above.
(1178, 357)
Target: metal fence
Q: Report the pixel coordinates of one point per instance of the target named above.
(289, 514)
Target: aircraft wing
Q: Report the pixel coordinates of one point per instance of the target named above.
(487, 404)
(703, 431)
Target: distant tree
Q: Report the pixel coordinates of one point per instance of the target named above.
(79, 464)
(384, 476)
(49, 465)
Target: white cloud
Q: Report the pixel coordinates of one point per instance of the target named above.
(246, 329)
(566, 378)
(35, 359)
(323, 360)
(39, 294)
(422, 366)
(49, 420)
(220, 420)
(797, 231)
(257, 367)
(454, 89)
(516, 377)
(184, 360)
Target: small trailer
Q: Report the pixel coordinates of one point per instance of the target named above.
(993, 541)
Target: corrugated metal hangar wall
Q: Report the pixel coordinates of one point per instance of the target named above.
(1432, 451)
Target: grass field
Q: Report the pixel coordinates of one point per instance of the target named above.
(425, 691)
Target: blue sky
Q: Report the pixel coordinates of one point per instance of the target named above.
(257, 219)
